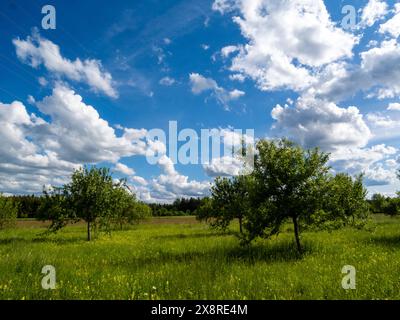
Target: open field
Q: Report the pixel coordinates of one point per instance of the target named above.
(187, 260)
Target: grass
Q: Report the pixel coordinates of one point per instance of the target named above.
(187, 260)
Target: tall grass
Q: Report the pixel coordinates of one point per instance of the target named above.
(190, 261)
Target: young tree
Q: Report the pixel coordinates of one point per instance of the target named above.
(391, 206)
(295, 184)
(378, 203)
(229, 200)
(91, 196)
(344, 202)
(8, 212)
(126, 210)
(54, 208)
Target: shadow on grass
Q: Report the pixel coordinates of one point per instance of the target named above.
(193, 235)
(268, 253)
(6, 241)
(284, 251)
(387, 241)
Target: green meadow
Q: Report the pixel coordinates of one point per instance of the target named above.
(178, 258)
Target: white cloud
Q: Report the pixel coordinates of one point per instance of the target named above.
(124, 169)
(171, 184)
(312, 122)
(35, 152)
(378, 75)
(228, 50)
(286, 40)
(139, 180)
(42, 81)
(376, 163)
(202, 84)
(394, 106)
(392, 26)
(167, 81)
(37, 51)
(78, 133)
(224, 166)
(373, 11)
(236, 94)
(384, 125)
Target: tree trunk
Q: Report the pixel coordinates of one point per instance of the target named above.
(296, 234)
(240, 225)
(89, 236)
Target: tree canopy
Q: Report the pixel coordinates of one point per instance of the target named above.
(92, 196)
(288, 183)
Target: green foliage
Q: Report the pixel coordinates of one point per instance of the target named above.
(54, 208)
(28, 205)
(180, 207)
(8, 212)
(126, 210)
(391, 206)
(343, 204)
(188, 261)
(288, 183)
(387, 205)
(91, 196)
(230, 199)
(377, 203)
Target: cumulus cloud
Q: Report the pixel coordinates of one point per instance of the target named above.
(202, 84)
(78, 133)
(392, 26)
(25, 165)
(376, 163)
(167, 81)
(286, 40)
(124, 169)
(378, 75)
(35, 152)
(312, 122)
(384, 124)
(171, 184)
(224, 166)
(37, 51)
(394, 106)
(373, 11)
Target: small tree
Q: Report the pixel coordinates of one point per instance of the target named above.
(91, 196)
(229, 200)
(54, 208)
(391, 207)
(295, 184)
(126, 210)
(8, 212)
(344, 202)
(378, 203)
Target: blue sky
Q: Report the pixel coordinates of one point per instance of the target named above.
(75, 94)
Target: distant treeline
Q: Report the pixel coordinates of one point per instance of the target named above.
(180, 207)
(382, 204)
(28, 207)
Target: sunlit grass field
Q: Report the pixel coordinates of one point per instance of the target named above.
(188, 260)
